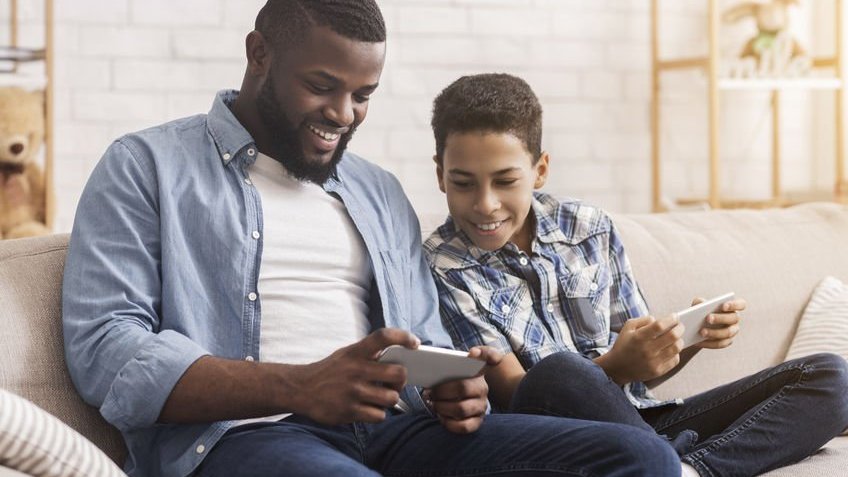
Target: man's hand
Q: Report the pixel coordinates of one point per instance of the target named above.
(349, 385)
(721, 326)
(646, 348)
(461, 404)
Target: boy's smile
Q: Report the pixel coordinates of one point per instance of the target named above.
(489, 179)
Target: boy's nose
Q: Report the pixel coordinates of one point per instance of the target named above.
(487, 203)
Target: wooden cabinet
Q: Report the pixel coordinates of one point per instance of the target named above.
(716, 84)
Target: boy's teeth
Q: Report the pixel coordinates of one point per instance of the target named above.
(489, 227)
(324, 135)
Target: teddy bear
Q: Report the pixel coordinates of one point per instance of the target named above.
(772, 18)
(22, 200)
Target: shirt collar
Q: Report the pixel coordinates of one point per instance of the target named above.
(547, 209)
(228, 133)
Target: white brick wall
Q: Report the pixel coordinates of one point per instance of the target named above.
(127, 64)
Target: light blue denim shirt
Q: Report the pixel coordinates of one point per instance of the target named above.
(162, 269)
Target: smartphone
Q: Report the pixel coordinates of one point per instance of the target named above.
(428, 366)
(694, 317)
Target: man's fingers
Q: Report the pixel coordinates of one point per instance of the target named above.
(366, 413)
(459, 389)
(466, 426)
(460, 410)
(373, 344)
(490, 355)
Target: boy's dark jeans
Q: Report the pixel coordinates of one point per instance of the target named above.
(767, 420)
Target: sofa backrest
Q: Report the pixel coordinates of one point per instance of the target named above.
(31, 349)
(773, 258)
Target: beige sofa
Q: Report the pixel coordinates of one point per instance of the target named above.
(772, 258)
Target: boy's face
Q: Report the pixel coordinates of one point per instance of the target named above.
(489, 179)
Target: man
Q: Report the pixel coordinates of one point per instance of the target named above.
(214, 365)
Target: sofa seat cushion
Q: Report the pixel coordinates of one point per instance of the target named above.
(34, 442)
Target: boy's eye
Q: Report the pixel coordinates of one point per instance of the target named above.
(460, 184)
(506, 182)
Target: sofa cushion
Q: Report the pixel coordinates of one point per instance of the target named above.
(824, 324)
(35, 442)
(31, 344)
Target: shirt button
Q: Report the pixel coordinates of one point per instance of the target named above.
(593, 286)
(249, 358)
(251, 296)
(522, 261)
(550, 307)
(200, 449)
(251, 152)
(227, 156)
(248, 182)
(255, 234)
(505, 309)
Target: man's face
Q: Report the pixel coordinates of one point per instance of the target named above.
(313, 98)
(489, 179)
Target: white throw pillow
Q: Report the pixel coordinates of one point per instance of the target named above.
(36, 443)
(824, 324)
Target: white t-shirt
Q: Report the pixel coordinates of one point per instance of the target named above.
(315, 275)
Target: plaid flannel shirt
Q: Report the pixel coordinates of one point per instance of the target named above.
(573, 293)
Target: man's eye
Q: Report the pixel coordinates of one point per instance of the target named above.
(361, 98)
(319, 88)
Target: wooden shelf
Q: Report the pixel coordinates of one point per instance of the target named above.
(828, 76)
(19, 55)
(772, 84)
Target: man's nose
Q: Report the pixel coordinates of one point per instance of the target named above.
(340, 111)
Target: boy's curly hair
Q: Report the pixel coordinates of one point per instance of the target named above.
(492, 102)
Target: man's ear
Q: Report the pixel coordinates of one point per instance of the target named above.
(258, 54)
(440, 173)
(542, 167)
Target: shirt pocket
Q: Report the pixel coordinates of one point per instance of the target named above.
(585, 300)
(397, 284)
(510, 311)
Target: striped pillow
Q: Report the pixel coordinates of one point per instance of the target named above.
(34, 442)
(824, 324)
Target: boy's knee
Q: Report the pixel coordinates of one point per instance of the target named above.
(831, 371)
(646, 452)
(566, 363)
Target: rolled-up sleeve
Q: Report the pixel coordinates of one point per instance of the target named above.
(120, 355)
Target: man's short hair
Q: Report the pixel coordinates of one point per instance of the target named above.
(493, 102)
(284, 23)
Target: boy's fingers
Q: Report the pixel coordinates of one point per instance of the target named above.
(723, 319)
(697, 300)
(658, 327)
(738, 304)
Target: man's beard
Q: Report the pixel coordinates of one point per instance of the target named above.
(287, 148)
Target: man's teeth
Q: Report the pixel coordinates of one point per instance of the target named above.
(489, 227)
(324, 135)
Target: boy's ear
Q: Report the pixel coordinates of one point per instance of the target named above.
(439, 173)
(542, 167)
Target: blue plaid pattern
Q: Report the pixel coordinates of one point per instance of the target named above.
(573, 294)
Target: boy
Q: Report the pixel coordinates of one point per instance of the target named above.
(549, 284)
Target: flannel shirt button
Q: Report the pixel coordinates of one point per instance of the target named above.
(505, 309)
(593, 286)
(249, 358)
(550, 307)
(248, 182)
(522, 261)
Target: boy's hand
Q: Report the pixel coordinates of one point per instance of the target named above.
(461, 404)
(646, 348)
(721, 326)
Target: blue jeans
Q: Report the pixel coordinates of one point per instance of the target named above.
(417, 445)
(767, 420)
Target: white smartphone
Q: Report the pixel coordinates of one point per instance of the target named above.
(693, 318)
(428, 366)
